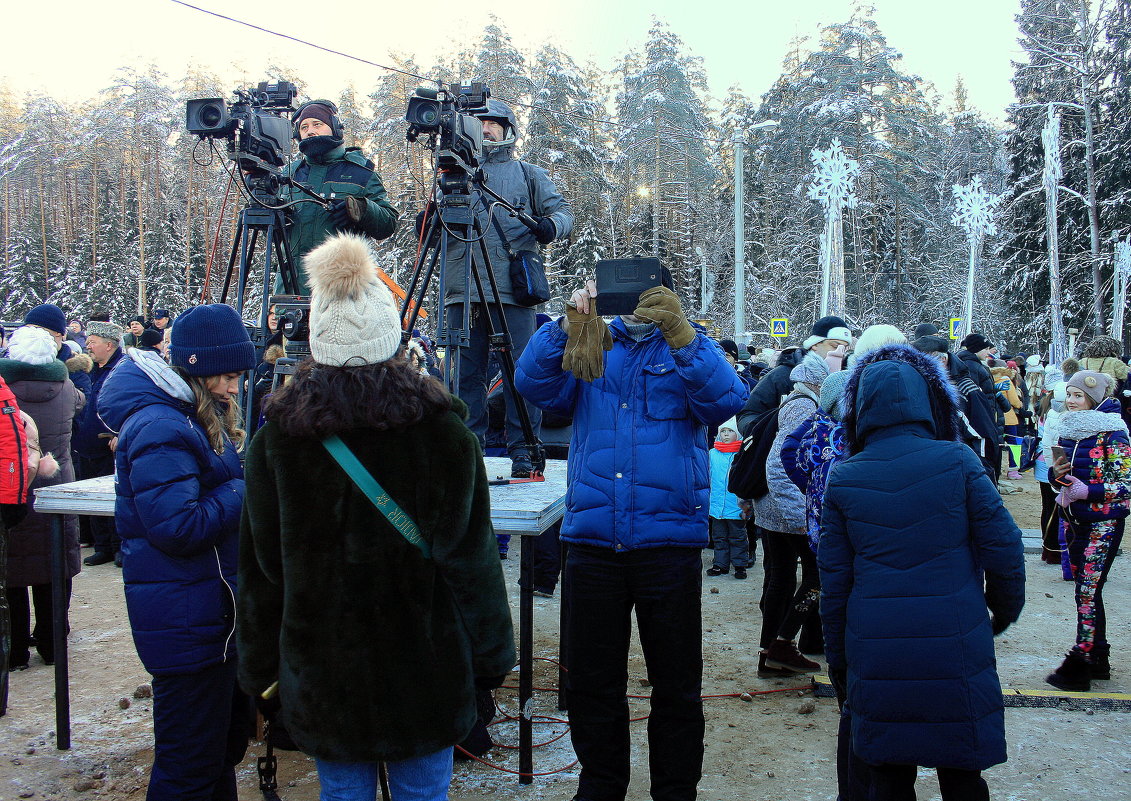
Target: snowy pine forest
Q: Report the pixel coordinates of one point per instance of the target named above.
(110, 204)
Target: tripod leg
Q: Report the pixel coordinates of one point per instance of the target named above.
(501, 344)
(232, 258)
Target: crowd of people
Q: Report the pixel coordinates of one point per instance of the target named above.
(308, 571)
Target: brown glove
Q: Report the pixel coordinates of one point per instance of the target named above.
(660, 305)
(588, 339)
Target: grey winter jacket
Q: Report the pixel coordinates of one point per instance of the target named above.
(535, 193)
(783, 507)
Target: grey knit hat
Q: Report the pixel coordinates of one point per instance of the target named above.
(111, 331)
(1096, 386)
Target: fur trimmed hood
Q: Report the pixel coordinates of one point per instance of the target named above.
(1110, 365)
(1088, 423)
(896, 386)
(80, 363)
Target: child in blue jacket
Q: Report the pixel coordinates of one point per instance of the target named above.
(728, 530)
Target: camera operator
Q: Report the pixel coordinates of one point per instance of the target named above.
(523, 185)
(335, 172)
(635, 521)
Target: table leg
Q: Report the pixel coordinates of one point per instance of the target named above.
(526, 662)
(59, 599)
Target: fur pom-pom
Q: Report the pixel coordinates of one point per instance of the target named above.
(32, 345)
(340, 268)
(80, 363)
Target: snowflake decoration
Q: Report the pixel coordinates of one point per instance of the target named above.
(975, 209)
(1123, 257)
(834, 174)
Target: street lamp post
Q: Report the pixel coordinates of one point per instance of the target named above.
(739, 141)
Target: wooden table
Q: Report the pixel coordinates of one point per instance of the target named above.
(525, 510)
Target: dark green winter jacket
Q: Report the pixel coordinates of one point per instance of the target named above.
(343, 171)
(376, 649)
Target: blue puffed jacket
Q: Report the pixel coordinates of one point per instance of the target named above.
(638, 466)
(915, 546)
(178, 514)
(724, 504)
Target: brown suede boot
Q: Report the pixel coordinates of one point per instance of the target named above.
(783, 654)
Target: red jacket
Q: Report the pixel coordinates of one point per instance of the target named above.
(13, 449)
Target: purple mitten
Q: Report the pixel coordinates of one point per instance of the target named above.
(1076, 490)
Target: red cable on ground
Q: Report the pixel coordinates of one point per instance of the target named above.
(216, 239)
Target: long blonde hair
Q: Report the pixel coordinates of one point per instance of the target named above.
(220, 421)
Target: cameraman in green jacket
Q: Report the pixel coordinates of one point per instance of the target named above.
(335, 172)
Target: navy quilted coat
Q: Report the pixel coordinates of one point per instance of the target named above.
(911, 529)
(178, 514)
(638, 466)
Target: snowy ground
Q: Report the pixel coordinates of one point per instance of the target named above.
(772, 747)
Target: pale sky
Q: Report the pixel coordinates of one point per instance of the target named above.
(71, 48)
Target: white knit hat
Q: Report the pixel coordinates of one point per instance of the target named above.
(353, 318)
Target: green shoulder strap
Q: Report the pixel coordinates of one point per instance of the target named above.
(376, 495)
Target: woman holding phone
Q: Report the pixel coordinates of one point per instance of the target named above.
(1092, 467)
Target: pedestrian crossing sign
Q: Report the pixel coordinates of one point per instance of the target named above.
(779, 327)
(955, 325)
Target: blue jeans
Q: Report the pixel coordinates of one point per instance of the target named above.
(425, 778)
(473, 376)
(601, 588)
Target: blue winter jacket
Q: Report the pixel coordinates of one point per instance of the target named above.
(638, 468)
(910, 530)
(724, 505)
(178, 513)
(88, 425)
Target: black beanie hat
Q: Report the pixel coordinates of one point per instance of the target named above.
(318, 111)
(925, 330)
(976, 342)
(211, 340)
(150, 338)
(49, 316)
(931, 344)
(830, 327)
(729, 346)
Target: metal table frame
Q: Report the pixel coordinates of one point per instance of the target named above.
(525, 510)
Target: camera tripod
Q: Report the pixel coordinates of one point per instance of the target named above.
(264, 215)
(454, 217)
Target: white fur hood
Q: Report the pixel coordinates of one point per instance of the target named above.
(1088, 423)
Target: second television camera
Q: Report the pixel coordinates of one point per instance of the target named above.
(447, 117)
(257, 124)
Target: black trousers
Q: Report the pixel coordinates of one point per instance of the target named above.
(473, 376)
(547, 559)
(200, 726)
(897, 783)
(22, 632)
(101, 529)
(602, 588)
(785, 604)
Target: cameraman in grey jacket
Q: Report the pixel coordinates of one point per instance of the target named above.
(529, 187)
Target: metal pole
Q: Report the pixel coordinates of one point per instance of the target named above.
(739, 242)
(526, 662)
(59, 598)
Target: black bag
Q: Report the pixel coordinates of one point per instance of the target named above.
(747, 477)
(529, 285)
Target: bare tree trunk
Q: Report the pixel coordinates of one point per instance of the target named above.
(94, 214)
(1093, 211)
(141, 304)
(188, 227)
(43, 233)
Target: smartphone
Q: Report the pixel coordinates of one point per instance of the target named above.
(1058, 454)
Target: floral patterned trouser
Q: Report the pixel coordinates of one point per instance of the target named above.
(1091, 549)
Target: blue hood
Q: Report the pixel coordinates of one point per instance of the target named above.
(897, 388)
(141, 379)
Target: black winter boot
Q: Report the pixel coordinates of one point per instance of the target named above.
(1101, 664)
(1074, 674)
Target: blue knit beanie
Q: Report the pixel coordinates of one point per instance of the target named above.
(211, 340)
(49, 316)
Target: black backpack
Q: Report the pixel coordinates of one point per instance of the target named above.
(747, 477)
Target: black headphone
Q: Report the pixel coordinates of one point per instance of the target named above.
(335, 121)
